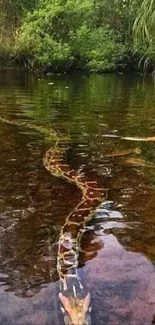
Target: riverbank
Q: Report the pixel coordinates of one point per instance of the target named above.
(12, 62)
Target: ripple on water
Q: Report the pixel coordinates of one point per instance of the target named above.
(117, 252)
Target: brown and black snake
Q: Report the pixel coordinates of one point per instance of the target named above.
(75, 300)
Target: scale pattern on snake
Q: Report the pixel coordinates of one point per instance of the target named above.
(75, 300)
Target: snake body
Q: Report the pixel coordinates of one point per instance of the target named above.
(75, 301)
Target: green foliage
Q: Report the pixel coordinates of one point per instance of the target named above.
(13, 10)
(99, 49)
(39, 41)
(95, 35)
(65, 35)
(144, 31)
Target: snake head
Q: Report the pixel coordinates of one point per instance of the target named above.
(77, 311)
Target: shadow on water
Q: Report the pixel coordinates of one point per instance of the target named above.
(118, 245)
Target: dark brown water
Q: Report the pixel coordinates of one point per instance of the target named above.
(91, 114)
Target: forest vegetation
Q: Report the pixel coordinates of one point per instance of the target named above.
(67, 35)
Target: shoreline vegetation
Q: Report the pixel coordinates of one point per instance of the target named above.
(77, 35)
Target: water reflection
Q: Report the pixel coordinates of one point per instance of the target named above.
(34, 205)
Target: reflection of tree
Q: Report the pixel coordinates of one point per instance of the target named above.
(141, 236)
(33, 216)
(30, 215)
(30, 255)
(36, 203)
(29, 250)
(131, 191)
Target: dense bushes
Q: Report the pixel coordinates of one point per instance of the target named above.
(95, 35)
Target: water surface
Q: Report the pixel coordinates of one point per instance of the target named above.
(91, 114)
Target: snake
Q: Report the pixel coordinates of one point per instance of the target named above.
(75, 300)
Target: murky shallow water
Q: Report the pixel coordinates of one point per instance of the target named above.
(118, 246)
